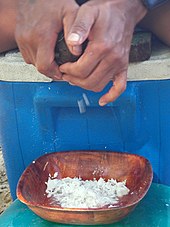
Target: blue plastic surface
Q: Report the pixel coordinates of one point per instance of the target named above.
(37, 118)
(152, 211)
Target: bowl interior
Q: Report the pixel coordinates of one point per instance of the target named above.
(88, 165)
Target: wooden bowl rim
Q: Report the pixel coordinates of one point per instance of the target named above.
(57, 208)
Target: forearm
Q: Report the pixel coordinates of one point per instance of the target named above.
(8, 10)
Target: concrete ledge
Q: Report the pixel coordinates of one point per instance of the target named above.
(13, 68)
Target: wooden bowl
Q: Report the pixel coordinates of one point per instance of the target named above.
(87, 165)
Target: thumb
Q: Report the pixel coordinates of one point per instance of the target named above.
(116, 90)
(81, 27)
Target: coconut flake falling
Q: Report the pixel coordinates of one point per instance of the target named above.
(77, 193)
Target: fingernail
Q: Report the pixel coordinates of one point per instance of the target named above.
(102, 103)
(74, 37)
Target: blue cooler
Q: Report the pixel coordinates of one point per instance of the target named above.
(38, 116)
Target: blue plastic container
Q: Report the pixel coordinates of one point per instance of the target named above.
(37, 118)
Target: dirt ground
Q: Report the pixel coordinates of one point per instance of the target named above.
(5, 197)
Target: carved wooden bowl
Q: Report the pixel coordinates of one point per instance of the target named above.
(117, 165)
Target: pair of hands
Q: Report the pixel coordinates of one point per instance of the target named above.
(108, 25)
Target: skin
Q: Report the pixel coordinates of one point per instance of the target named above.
(37, 27)
(160, 27)
(106, 56)
(7, 24)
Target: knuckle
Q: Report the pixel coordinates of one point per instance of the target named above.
(117, 58)
(89, 8)
(70, 11)
(106, 45)
(116, 61)
(27, 60)
(81, 27)
(25, 55)
(42, 68)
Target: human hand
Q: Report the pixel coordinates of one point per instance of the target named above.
(37, 28)
(109, 27)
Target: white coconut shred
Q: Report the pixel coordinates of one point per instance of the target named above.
(77, 193)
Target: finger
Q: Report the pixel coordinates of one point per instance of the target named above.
(82, 25)
(116, 90)
(26, 56)
(45, 62)
(87, 63)
(97, 80)
(26, 53)
(68, 21)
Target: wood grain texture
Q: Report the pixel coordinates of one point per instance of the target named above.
(87, 165)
